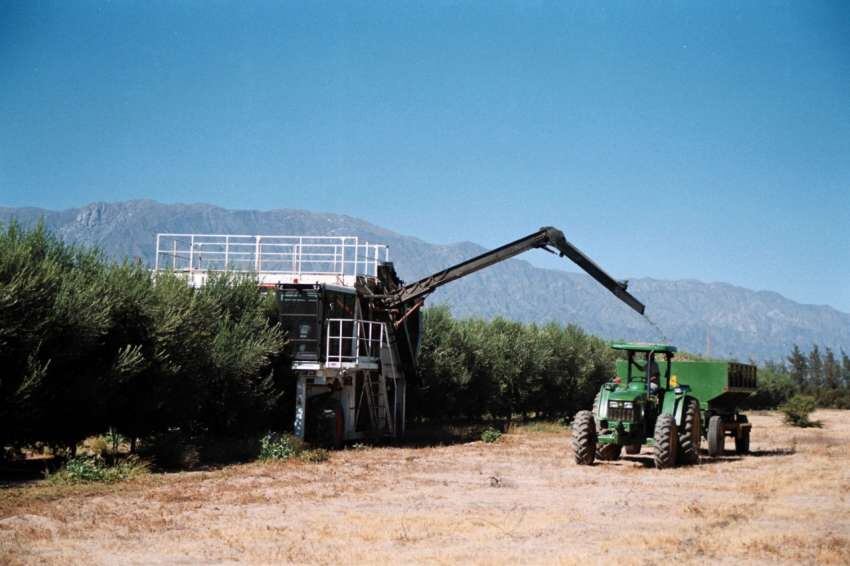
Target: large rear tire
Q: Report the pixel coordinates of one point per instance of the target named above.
(608, 451)
(666, 442)
(716, 436)
(690, 434)
(584, 438)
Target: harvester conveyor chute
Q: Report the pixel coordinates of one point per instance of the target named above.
(546, 238)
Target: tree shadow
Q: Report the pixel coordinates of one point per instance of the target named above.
(425, 435)
(647, 461)
(15, 472)
(771, 452)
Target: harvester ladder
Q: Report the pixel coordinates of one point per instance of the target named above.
(389, 369)
(375, 389)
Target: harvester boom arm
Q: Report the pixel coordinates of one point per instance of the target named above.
(545, 238)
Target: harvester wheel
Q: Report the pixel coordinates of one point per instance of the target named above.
(584, 438)
(666, 441)
(608, 451)
(742, 441)
(690, 434)
(716, 436)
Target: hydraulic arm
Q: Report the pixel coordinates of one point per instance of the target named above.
(546, 238)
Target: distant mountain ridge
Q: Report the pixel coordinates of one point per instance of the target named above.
(731, 321)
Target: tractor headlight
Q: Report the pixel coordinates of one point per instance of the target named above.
(628, 405)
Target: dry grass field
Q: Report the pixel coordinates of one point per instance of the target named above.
(520, 500)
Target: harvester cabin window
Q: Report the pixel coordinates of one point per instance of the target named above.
(299, 316)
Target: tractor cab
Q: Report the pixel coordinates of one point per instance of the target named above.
(642, 366)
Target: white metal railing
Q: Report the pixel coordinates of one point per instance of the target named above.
(295, 256)
(350, 341)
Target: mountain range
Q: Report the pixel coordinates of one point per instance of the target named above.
(718, 319)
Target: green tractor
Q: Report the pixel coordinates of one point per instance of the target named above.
(670, 406)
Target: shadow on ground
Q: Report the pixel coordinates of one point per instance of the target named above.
(425, 435)
(705, 460)
(25, 470)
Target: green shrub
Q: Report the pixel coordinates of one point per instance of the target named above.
(84, 469)
(491, 434)
(276, 446)
(315, 456)
(797, 410)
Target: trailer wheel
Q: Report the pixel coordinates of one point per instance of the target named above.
(666, 441)
(716, 436)
(584, 438)
(690, 434)
(608, 451)
(742, 440)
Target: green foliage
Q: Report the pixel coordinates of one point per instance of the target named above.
(276, 446)
(88, 345)
(490, 435)
(474, 368)
(775, 386)
(83, 469)
(825, 377)
(797, 410)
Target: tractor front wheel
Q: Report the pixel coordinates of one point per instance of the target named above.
(716, 436)
(690, 434)
(666, 442)
(608, 451)
(584, 438)
(633, 448)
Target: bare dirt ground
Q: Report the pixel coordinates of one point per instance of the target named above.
(520, 500)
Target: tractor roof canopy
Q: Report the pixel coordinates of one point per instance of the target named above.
(643, 347)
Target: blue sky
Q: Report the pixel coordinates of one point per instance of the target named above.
(671, 140)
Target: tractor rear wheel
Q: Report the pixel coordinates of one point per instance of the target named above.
(742, 440)
(690, 434)
(666, 441)
(584, 438)
(608, 451)
(716, 436)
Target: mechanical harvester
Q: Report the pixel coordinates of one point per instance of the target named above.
(353, 325)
